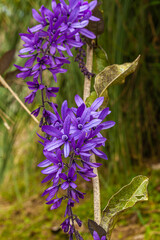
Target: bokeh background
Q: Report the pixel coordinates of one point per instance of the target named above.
(131, 28)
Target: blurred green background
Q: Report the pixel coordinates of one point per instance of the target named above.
(131, 28)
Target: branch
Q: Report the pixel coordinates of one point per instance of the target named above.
(96, 185)
(89, 66)
(17, 98)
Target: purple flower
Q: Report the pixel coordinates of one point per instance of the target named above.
(35, 85)
(58, 30)
(61, 138)
(50, 92)
(96, 236)
(66, 225)
(79, 222)
(80, 149)
(30, 97)
(50, 118)
(68, 208)
(51, 191)
(83, 123)
(75, 194)
(86, 173)
(36, 112)
(25, 72)
(56, 160)
(56, 203)
(75, 134)
(69, 179)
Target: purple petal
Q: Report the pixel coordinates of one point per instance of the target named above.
(36, 112)
(92, 124)
(48, 178)
(95, 19)
(97, 103)
(45, 163)
(53, 145)
(108, 124)
(81, 140)
(30, 62)
(52, 50)
(21, 68)
(59, 47)
(73, 185)
(65, 185)
(85, 116)
(50, 170)
(36, 16)
(80, 24)
(64, 109)
(68, 50)
(78, 100)
(50, 156)
(36, 28)
(25, 56)
(87, 33)
(95, 236)
(103, 238)
(24, 50)
(57, 204)
(66, 149)
(71, 172)
(52, 194)
(92, 5)
(74, 43)
(80, 110)
(74, 14)
(96, 165)
(36, 66)
(30, 97)
(54, 4)
(63, 176)
(88, 147)
(26, 39)
(100, 153)
(52, 131)
(84, 7)
(67, 123)
(104, 113)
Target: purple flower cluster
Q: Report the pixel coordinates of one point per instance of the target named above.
(69, 142)
(70, 139)
(57, 32)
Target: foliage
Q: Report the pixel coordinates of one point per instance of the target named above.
(125, 198)
(113, 75)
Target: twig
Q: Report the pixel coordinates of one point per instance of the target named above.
(17, 98)
(6, 116)
(89, 66)
(96, 194)
(5, 123)
(96, 186)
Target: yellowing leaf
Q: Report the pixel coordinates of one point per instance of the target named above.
(111, 75)
(125, 198)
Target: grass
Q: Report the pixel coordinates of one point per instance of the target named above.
(34, 220)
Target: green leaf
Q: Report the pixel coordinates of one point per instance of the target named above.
(111, 75)
(125, 198)
(91, 99)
